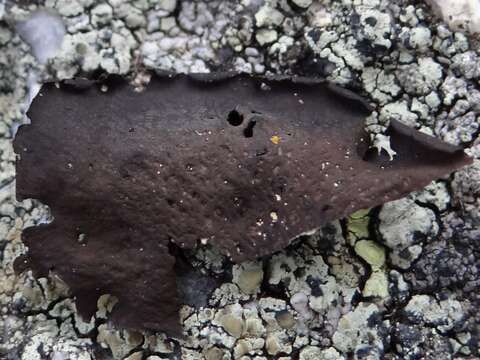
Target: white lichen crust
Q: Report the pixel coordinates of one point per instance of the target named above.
(397, 282)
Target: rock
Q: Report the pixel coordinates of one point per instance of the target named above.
(420, 78)
(436, 193)
(459, 14)
(362, 325)
(299, 275)
(398, 289)
(408, 339)
(271, 345)
(285, 319)
(248, 276)
(232, 324)
(158, 344)
(268, 309)
(105, 305)
(119, 343)
(278, 342)
(327, 295)
(371, 252)
(381, 84)
(254, 327)
(467, 64)
(399, 111)
(359, 43)
(266, 36)
(376, 285)
(138, 355)
(420, 38)
(102, 14)
(376, 28)
(466, 189)
(403, 226)
(44, 32)
(315, 353)
(444, 315)
(299, 302)
(243, 347)
(358, 225)
(167, 5)
(216, 353)
(268, 16)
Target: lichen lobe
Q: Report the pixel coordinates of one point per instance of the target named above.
(188, 159)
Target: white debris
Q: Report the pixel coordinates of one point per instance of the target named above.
(382, 142)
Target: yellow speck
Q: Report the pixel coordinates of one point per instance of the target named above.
(274, 216)
(275, 139)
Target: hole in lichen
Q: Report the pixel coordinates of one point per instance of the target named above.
(234, 118)
(248, 131)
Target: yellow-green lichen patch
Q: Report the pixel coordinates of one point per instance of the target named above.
(376, 285)
(357, 225)
(371, 252)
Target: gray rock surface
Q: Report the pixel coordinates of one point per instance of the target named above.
(400, 282)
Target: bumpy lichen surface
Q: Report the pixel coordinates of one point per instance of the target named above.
(399, 282)
(224, 162)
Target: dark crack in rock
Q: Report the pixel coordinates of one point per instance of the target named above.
(191, 159)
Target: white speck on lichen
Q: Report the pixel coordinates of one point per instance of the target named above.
(382, 142)
(274, 216)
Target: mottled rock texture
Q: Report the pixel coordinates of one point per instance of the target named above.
(408, 63)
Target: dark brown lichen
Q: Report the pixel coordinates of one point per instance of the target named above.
(226, 160)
